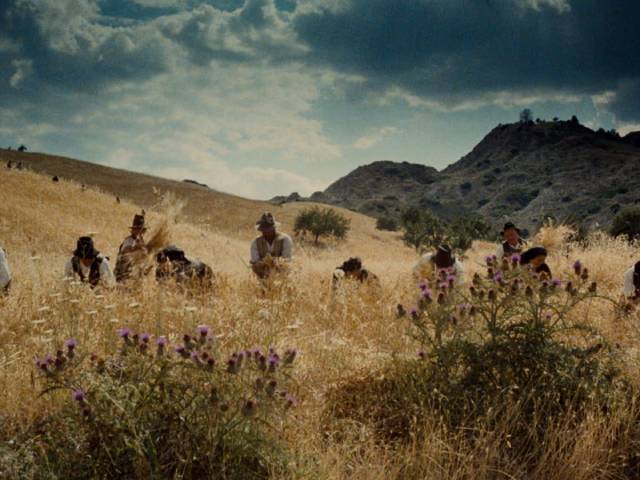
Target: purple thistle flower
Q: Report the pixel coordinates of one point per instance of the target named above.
(249, 408)
(194, 356)
(161, 341)
(124, 333)
(78, 395)
(262, 362)
(427, 294)
(413, 312)
(256, 352)
(443, 286)
(290, 401)
(421, 354)
(441, 298)
(515, 259)
(271, 387)
(424, 285)
(556, 282)
(274, 361)
(71, 344)
(145, 337)
(577, 267)
(182, 351)
(233, 366)
(498, 277)
(488, 260)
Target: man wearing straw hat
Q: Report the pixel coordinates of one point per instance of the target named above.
(5, 273)
(88, 265)
(132, 247)
(270, 248)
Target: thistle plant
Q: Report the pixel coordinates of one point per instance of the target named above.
(174, 410)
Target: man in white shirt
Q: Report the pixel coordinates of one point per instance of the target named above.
(631, 288)
(132, 251)
(271, 248)
(88, 265)
(5, 273)
(430, 264)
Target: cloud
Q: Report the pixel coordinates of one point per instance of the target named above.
(374, 138)
(23, 69)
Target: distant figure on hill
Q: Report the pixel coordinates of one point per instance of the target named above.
(22, 148)
(632, 283)
(88, 265)
(430, 264)
(171, 263)
(536, 257)
(352, 270)
(9, 164)
(19, 167)
(132, 251)
(271, 249)
(118, 200)
(55, 179)
(512, 244)
(5, 273)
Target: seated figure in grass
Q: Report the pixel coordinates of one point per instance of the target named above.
(132, 251)
(5, 273)
(352, 270)
(88, 265)
(632, 283)
(512, 243)
(271, 250)
(171, 263)
(536, 259)
(431, 264)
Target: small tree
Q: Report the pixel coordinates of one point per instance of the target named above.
(22, 148)
(464, 230)
(321, 222)
(526, 116)
(421, 228)
(387, 223)
(627, 222)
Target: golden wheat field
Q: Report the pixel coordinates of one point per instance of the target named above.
(338, 335)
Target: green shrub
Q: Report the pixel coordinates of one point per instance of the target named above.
(627, 222)
(150, 413)
(504, 351)
(321, 222)
(389, 224)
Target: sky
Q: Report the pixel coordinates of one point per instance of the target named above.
(266, 97)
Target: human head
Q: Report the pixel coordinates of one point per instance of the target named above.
(138, 226)
(352, 266)
(85, 250)
(444, 257)
(267, 225)
(535, 257)
(172, 254)
(511, 233)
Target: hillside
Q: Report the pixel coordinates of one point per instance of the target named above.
(522, 171)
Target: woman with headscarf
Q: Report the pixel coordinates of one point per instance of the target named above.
(352, 269)
(442, 259)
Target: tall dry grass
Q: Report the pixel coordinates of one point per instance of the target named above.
(337, 334)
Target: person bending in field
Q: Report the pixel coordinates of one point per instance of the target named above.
(88, 265)
(271, 250)
(631, 288)
(536, 259)
(352, 270)
(171, 263)
(431, 265)
(512, 244)
(5, 273)
(132, 251)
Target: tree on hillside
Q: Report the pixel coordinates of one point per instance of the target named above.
(464, 230)
(321, 222)
(22, 148)
(526, 116)
(421, 228)
(627, 222)
(387, 223)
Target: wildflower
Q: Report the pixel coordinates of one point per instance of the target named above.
(256, 352)
(477, 281)
(210, 363)
(71, 344)
(569, 287)
(488, 260)
(290, 401)
(498, 277)
(233, 366)
(249, 408)
(262, 362)
(453, 319)
(187, 340)
(401, 312)
(593, 287)
(414, 313)
(145, 337)
(290, 355)
(451, 279)
(203, 330)
(259, 384)
(274, 361)
(182, 351)
(441, 298)
(555, 283)
(528, 291)
(78, 395)
(424, 284)
(492, 295)
(443, 286)
(271, 387)
(515, 286)
(195, 357)
(421, 354)
(585, 274)
(577, 267)
(490, 273)
(515, 259)
(125, 334)
(473, 291)
(161, 342)
(427, 295)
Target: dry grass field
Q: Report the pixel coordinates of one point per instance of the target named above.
(338, 335)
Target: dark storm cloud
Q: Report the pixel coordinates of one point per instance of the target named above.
(452, 51)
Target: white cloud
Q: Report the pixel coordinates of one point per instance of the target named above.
(561, 6)
(23, 69)
(374, 138)
(160, 3)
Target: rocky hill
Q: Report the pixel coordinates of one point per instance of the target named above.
(523, 171)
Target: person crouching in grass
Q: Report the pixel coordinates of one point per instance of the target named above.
(271, 250)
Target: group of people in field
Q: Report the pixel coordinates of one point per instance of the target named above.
(270, 254)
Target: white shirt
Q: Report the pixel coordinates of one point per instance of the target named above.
(287, 248)
(629, 289)
(106, 275)
(425, 261)
(5, 272)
